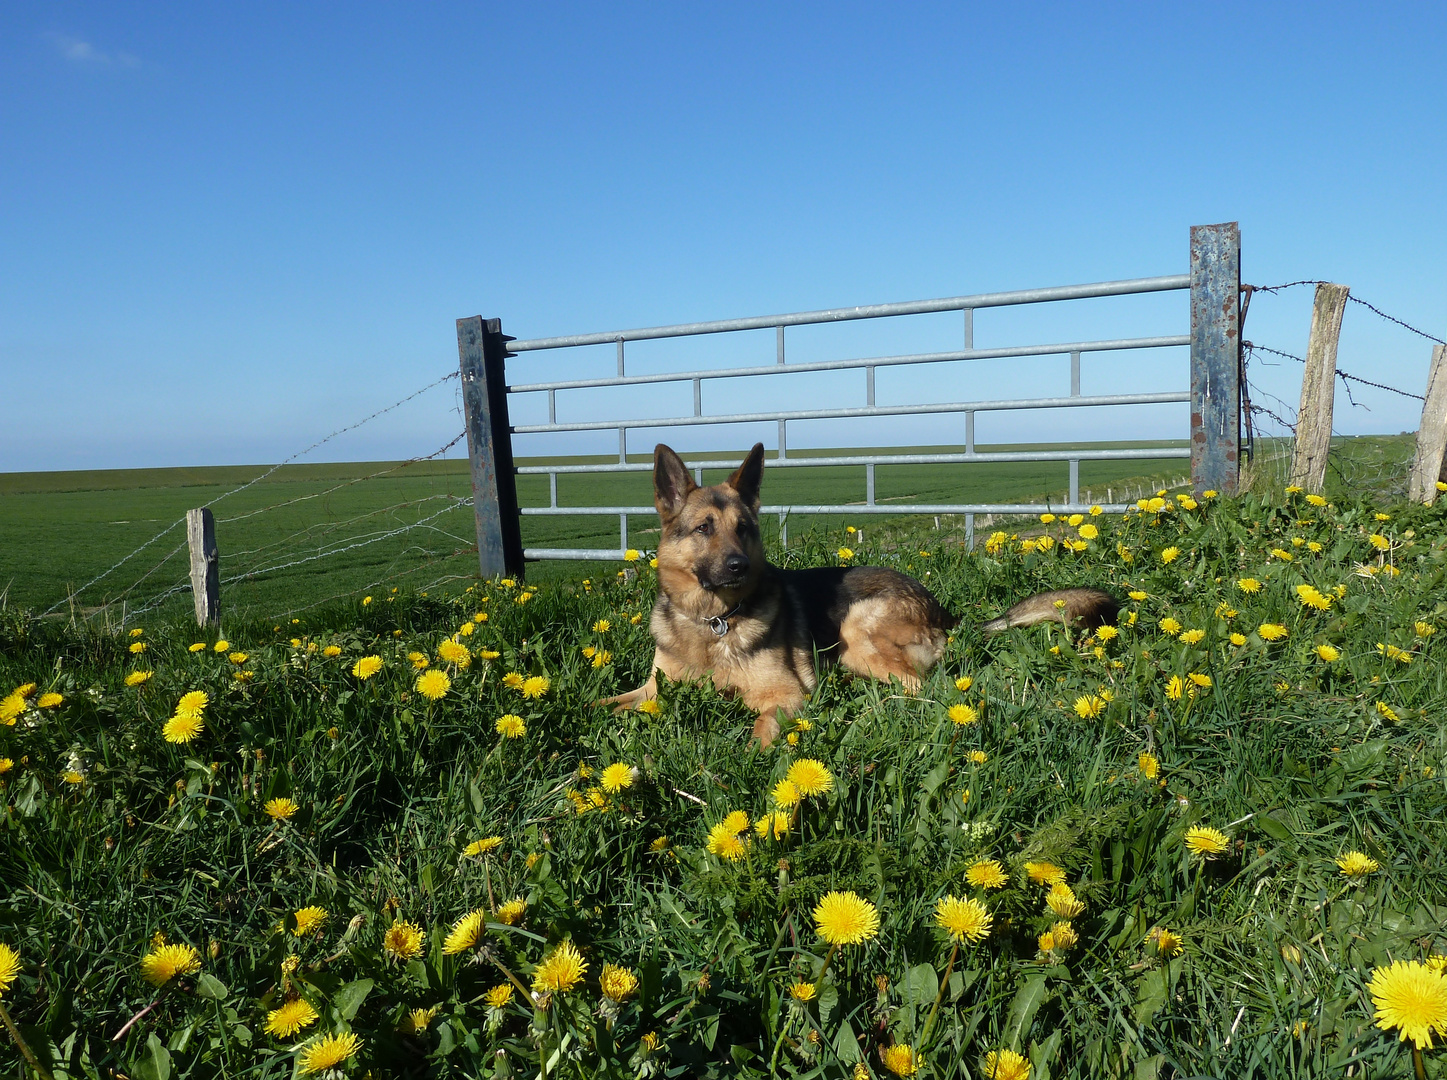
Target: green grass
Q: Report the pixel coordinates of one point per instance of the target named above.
(58, 531)
(1293, 757)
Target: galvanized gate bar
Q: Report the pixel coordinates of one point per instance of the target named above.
(872, 311)
(1059, 349)
(1125, 454)
(878, 410)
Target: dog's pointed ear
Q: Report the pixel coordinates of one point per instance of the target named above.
(748, 476)
(671, 482)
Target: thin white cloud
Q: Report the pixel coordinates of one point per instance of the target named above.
(83, 52)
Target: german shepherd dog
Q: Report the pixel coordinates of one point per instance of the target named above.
(724, 612)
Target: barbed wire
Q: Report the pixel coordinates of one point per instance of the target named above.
(333, 526)
(72, 594)
(1344, 376)
(1370, 307)
(346, 483)
(460, 501)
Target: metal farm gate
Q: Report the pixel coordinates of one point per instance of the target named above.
(1213, 339)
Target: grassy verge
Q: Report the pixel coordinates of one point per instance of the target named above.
(305, 864)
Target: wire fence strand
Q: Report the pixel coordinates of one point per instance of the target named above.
(1370, 307)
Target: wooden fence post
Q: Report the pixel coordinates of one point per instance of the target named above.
(205, 566)
(482, 354)
(1215, 363)
(1318, 389)
(1430, 465)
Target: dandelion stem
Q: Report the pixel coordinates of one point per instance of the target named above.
(25, 1050)
(1418, 1065)
(132, 1021)
(487, 880)
(949, 970)
(526, 993)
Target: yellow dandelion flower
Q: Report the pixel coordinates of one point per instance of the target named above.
(403, 939)
(6, 765)
(1271, 631)
(560, 971)
(1107, 633)
(454, 652)
(499, 996)
(1170, 554)
(1170, 626)
(617, 983)
(183, 727)
(510, 726)
(987, 874)
(1207, 842)
(138, 678)
(331, 652)
(1238, 640)
(1089, 532)
(465, 934)
(774, 823)
(367, 666)
(1005, 1065)
(1248, 585)
(1044, 873)
(1149, 766)
(1423, 629)
(1386, 712)
(1046, 942)
(1380, 542)
(803, 991)
(309, 919)
(810, 777)
(511, 912)
(1203, 681)
(632, 555)
(648, 706)
(616, 777)
(845, 554)
(433, 684)
(328, 1052)
(1062, 901)
(1357, 865)
(1193, 637)
(9, 966)
(166, 962)
(1047, 519)
(1328, 653)
(193, 702)
(602, 626)
(418, 660)
(1089, 707)
(962, 714)
(900, 1059)
(1167, 943)
(137, 647)
(535, 686)
(1175, 687)
(785, 794)
(963, 683)
(280, 808)
(845, 919)
(978, 757)
(1411, 997)
(48, 701)
(290, 1018)
(963, 920)
(483, 846)
(1064, 935)
(1137, 595)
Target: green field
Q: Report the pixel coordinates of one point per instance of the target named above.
(307, 534)
(302, 858)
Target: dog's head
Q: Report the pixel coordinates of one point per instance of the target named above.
(710, 536)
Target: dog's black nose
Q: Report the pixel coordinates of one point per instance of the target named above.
(737, 564)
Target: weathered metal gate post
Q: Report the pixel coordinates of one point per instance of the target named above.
(482, 353)
(1215, 370)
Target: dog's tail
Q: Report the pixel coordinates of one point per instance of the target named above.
(1088, 607)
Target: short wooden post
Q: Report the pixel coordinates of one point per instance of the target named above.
(482, 354)
(205, 566)
(1215, 367)
(1318, 389)
(1430, 465)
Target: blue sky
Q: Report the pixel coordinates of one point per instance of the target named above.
(229, 230)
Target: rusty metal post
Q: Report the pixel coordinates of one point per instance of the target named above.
(482, 353)
(1215, 363)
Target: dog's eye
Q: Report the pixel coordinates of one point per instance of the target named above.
(705, 528)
